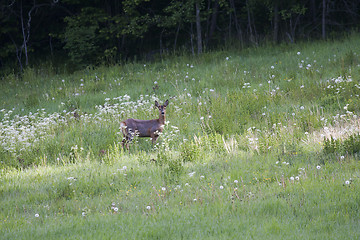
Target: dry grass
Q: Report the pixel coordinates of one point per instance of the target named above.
(341, 127)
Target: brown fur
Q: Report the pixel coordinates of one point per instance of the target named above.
(144, 128)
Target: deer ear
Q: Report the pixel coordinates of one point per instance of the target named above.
(166, 103)
(156, 103)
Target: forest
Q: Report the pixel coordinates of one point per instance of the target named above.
(91, 33)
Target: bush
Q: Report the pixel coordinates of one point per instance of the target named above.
(81, 36)
(190, 152)
(350, 145)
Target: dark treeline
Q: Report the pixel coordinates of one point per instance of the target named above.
(104, 32)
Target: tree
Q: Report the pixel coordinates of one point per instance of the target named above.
(291, 15)
(94, 32)
(323, 19)
(236, 20)
(173, 19)
(19, 13)
(276, 21)
(198, 28)
(82, 38)
(214, 14)
(97, 33)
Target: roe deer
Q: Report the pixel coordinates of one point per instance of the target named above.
(144, 128)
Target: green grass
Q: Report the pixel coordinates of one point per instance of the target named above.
(246, 153)
(319, 205)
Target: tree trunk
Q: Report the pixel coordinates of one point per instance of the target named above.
(24, 34)
(191, 39)
(213, 20)
(323, 33)
(249, 22)
(198, 29)
(51, 46)
(276, 22)
(161, 42)
(230, 20)
(206, 35)
(313, 11)
(18, 53)
(237, 25)
(26, 29)
(176, 36)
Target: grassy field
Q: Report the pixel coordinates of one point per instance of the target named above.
(261, 143)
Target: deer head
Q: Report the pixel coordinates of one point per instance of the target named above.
(162, 108)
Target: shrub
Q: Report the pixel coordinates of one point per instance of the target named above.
(190, 151)
(350, 145)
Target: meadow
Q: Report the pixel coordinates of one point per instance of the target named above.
(261, 143)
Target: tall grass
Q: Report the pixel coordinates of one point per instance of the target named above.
(259, 143)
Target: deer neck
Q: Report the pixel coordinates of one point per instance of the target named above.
(162, 119)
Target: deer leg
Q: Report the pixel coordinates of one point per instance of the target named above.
(124, 143)
(154, 137)
(126, 140)
(129, 137)
(127, 146)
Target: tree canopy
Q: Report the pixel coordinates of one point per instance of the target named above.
(94, 32)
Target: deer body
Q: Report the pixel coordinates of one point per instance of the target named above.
(144, 128)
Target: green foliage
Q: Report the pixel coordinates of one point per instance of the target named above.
(172, 166)
(331, 145)
(350, 59)
(81, 36)
(354, 103)
(32, 100)
(75, 153)
(190, 152)
(296, 9)
(95, 32)
(350, 145)
(176, 168)
(163, 158)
